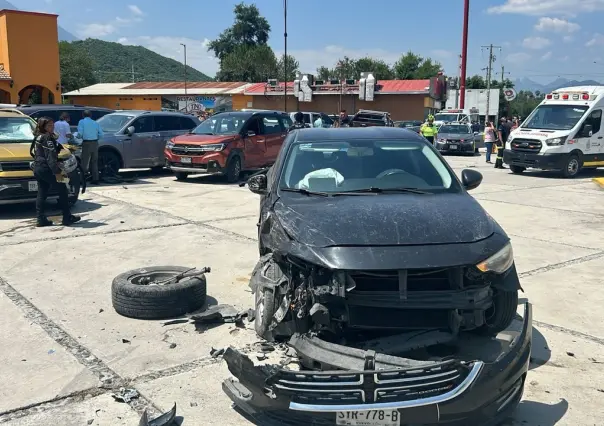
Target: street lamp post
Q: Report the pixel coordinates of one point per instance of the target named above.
(185, 74)
(285, 56)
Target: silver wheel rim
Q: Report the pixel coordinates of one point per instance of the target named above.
(260, 307)
(237, 168)
(573, 166)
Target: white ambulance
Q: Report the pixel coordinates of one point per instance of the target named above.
(447, 116)
(563, 133)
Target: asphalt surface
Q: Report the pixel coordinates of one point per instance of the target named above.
(64, 349)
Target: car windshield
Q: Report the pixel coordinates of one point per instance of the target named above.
(16, 129)
(555, 117)
(454, 129)
(446, 117)
(222, 124)
(113, 123)
(334, 166)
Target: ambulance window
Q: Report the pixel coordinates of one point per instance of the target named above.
(595, 119)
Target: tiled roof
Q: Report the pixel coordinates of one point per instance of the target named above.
(383, 86)
(161, 88)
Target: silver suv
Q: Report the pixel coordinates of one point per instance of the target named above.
(136, 139)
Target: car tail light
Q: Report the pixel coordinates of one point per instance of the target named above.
(585, 96)
(565, 97)
(549, 96)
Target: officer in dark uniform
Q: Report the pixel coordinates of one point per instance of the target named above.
(48, 174)
(299, 122)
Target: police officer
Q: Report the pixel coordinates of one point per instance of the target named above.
(48, 174)
(429, 129)
(299, 122)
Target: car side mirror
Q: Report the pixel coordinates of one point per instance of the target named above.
(257, 184)
(471, 179)
(250, 133)
(587, 131)
(130, 130)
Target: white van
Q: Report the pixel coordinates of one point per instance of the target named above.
(563, 133)
(459, 116)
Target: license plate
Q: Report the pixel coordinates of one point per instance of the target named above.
(369, 418)
(32, 185)
(185, 160)
(453, 146)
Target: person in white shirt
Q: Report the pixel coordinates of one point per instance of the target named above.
(62, 129)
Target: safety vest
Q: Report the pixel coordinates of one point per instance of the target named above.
(428, 130)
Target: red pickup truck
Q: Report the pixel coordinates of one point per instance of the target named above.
(229, 143)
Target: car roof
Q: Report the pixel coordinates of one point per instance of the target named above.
(356, 133)
(61, 106)
(137, 112)
(9, 113)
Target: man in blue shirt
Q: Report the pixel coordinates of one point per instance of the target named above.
(90, 132)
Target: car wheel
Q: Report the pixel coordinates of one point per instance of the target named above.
(517, 169)
(234, 170)
(157, 169)
(572, 167)
(181, 175)
(109, 163)
(140, 294)
(499, 316)
(265, 310)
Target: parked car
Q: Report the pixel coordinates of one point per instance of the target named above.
(17, 182)
(136, 139)
(414, 125)
(311, 117)
(229, 143)
(388, 306)
(457, 138)
(368, 118)
(76, 112)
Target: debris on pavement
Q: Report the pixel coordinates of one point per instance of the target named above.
(215, 353)
(172, 345)
(125, 395)
(218, 314)
(126, 341)
(570, 354)
(176, 321)
(101, 311)
(165, 419)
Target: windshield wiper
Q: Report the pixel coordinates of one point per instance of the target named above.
(376, 190)
(305, 191)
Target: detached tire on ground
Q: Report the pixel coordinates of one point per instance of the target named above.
(133, 298)
(501, 314)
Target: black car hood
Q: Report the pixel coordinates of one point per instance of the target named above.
(383, 220)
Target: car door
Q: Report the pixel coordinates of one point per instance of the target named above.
(593, 145)
(142, 143)
(254, 143)
(168, 126)
(275, 133)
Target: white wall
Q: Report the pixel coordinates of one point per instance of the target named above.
(477, 98)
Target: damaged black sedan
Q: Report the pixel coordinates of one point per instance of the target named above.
(385, 277)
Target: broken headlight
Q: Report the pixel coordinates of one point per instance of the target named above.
(499, 262)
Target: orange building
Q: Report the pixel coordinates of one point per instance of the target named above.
(29, 58)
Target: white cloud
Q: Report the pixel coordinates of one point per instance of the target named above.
(135, 10)
(546, 56)
(568, 39)
(596, 40)
(96, 30)
(548, 7)
(564, 58)
(197, 50)
(441, 54)
(556, 25)
(518, 57)
(535, 43)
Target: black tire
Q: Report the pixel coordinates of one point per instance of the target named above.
(501, 314)
(266, 306)
(572, 167)
(234, 169)
(109, 163)
(517, 169)
(181, 175)
(157, 301)
(157, 169)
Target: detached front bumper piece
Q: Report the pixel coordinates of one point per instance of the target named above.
(387, 390)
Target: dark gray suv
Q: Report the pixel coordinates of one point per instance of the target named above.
(136, 139)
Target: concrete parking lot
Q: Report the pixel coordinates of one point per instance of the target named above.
(64, 347)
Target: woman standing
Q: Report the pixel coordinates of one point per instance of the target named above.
(489, 139)
(48, 173)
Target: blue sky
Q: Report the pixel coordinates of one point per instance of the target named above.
(539, 39)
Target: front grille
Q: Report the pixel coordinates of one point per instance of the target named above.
(15, 166)
(190, 165)
(417, 280)
(188, 150)
(526, 145)
(334, 388)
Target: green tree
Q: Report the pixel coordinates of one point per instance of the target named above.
(293, 66)
(324, 73)
(249, 28)
(525, 102)
(352, 68)
(475, 82)
(76, 67)
(414, 67)
(253, 64)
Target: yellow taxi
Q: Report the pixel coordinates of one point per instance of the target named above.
(17, 182)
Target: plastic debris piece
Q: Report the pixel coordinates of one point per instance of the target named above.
(125, 395)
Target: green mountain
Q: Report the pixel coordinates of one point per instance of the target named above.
(114, 62)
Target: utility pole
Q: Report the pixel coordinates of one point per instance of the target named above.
(464, 54)
(503, 74)
(133, 73)
(490, 75)
(185, 75)
(285, 78)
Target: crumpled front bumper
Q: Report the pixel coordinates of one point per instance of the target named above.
(454, 392)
